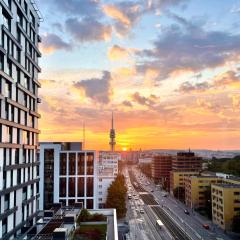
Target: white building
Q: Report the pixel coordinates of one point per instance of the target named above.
(108, 170)
(19, 26)
(67, 175)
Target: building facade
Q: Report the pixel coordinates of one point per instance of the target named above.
(19, 54)
(67, 175)
(177, 179)
(195, 190)
(186, 161)
(161, 167)
(108, 170)
(225, 202)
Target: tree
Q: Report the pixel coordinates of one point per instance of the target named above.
(116, 197)
(83, 216)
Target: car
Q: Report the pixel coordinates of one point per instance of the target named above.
(141, 210)
(165, 195)
(186, 212)
(206, 226)
(152, 190)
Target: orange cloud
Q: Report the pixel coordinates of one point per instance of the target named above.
(116, 53)
(115, 13)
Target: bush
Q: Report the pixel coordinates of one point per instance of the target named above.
(86, 216)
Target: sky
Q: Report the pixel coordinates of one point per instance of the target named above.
(168, 69)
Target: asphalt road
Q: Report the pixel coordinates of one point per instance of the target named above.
(191, 224)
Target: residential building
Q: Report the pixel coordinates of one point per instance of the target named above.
(67, 175)
(225, 202)
(177, 179)
(108, 170)
(187, 161)
(19, 54)
(196, 188)
(161, 167)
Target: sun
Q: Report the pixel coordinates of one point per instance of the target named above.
(124, 149)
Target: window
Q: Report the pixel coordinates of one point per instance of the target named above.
(236, 193)
(71, 187)
(24, 193)
(80, 163)
(89, 203)
(62, 186)
(6, 21)
(1, 61)
(71, 165)
(4, 226)
(90, 163)
(6, 201)
(8, 89)
(89, 187)
(80, 187)
(63, 162)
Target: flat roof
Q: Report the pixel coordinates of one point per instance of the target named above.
(227, 185)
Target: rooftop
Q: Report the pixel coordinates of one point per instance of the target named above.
(227, 185)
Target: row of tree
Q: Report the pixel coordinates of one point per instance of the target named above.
(225, 165)
(116, 197)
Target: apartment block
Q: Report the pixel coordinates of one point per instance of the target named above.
(67, 175)
(177, 178)
(108, 170)
(161, 167)
(186, 161)
(225, 202)
(195, 190)
(19, 54)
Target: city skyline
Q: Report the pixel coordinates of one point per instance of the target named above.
(139, 59)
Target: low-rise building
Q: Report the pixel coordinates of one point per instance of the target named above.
(177, 179)
(196, 188)
(107, 172)
(225, 202)
(67, 175)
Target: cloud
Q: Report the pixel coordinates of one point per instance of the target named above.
(116, 53)
(188, 87)
(52, 42)
(98, 89)
(146, 101)
(227, 78)
(188, 47)
(89, 8)
(88, 30)
(127, 103)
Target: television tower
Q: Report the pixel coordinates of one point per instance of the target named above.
(112, 134)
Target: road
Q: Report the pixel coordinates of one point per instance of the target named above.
(143, 225)
(189, 224)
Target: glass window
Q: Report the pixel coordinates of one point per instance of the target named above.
(71, 187)
(81, 187)
(63, 163)
(90, 163)
(72, 168)
(80, 163)
(89, 187)
(89, 203)
(62, 187)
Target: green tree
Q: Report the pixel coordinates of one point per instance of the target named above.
(116, 197)
(83, 216)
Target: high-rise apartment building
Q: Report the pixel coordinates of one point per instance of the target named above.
(19, 100)
(108, 170)
(67, 175)
(161, 167)
(186, 161)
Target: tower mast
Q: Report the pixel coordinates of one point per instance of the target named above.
(112, 134)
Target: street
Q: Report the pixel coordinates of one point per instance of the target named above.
(157, 204)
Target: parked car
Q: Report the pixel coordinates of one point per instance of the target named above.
(186, 212)
(141, 210)
(206, 226)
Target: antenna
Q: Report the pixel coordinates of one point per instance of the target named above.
(83, 145)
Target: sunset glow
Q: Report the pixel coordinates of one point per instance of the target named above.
(169, 71)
